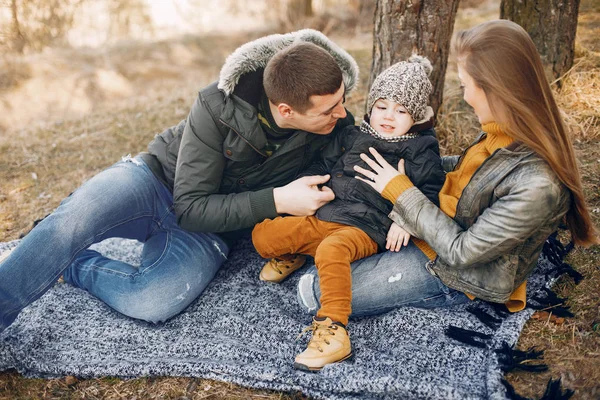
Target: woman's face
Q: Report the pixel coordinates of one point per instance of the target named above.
(475, 97)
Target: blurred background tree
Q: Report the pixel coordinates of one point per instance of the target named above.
(552, 24)
(400, 27)
(35, 24)
(404, 27)
(126, 16)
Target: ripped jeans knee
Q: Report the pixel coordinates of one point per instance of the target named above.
(130, 159)
(308, 296)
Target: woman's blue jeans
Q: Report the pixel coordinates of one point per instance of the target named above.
(126, 201)
(385, 281)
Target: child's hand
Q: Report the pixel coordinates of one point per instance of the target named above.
(396, 238)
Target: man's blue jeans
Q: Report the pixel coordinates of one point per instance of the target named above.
(385, 281)
(127, 201)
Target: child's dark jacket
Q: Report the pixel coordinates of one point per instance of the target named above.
(358, 204)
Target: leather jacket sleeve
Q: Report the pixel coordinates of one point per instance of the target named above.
(200, 164)
(449, 163)
(522, 206)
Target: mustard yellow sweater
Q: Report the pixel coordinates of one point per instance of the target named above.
(453, 187)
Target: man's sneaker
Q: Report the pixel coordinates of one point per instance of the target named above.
(276, 270)
(329, 344)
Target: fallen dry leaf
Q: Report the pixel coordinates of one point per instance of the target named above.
(20, 188)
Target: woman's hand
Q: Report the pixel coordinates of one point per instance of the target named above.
(382, 172)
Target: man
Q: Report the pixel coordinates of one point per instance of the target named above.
(230, 164)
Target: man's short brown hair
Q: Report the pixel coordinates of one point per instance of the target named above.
(298, 72)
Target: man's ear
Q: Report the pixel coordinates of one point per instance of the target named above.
(285, 110)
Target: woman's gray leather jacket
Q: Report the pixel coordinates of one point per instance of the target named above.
(513, 202)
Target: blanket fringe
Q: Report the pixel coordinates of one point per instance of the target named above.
(552, 302)
(565, 268)
(485, 317)
(500, 309)
(510, 391)
(555, 250)
(511, 359)
(553, 391)
(468, 336)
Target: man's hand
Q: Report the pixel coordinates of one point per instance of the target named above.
(303, 196)
(396, 238)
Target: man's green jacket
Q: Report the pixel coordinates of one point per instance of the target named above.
(222, 180)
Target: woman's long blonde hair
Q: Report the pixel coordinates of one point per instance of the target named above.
(503, 61)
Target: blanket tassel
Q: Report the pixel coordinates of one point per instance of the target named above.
(552, 302)
(500, 309)
(555, 250)
(485, 318)
(553, 391)
(510, 359)
(565, 268)
(467, 336)
(510, 391)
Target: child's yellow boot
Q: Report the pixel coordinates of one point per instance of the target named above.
(329, 344)
(276, 270)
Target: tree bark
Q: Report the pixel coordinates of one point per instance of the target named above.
(552, 25)
(404, 27)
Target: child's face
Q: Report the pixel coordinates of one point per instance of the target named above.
(390, 119)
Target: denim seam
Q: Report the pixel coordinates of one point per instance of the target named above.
(145, 270)
(162, 256)
(407, 304)
(161, 218)
(158, 186)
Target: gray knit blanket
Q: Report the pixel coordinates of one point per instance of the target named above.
(242, 330)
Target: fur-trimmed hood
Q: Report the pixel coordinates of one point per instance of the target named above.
(255, 55)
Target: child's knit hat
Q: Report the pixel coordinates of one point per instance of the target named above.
(406, 83)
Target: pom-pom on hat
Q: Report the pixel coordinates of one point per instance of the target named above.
(406, 83)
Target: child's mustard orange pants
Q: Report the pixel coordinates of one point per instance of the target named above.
(334, 246)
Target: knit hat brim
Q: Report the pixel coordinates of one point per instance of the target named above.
(406, 83)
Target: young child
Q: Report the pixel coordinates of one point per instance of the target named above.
(356, 224)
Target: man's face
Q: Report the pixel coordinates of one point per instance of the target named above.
(323, 115)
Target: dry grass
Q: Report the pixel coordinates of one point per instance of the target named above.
(572, 349)
(13, 387)
(41, 165)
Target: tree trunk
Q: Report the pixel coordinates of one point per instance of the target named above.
(404, 27)
(18, 38)
(552, 25)
(299, 9)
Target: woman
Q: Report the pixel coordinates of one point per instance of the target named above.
(505, 195)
